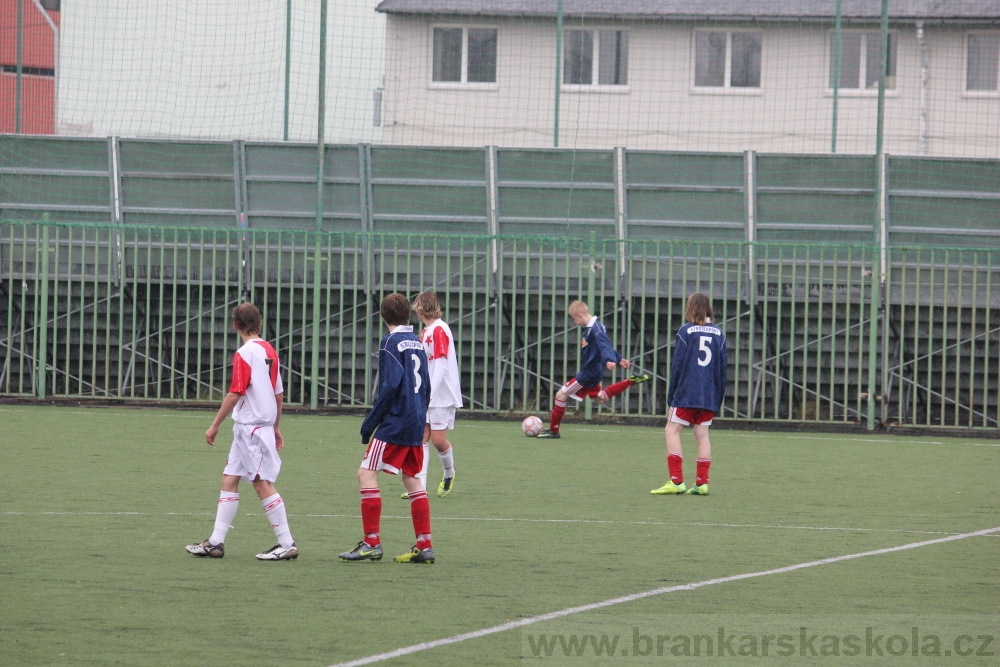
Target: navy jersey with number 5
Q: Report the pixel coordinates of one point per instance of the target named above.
(698, 371)
(400, 411)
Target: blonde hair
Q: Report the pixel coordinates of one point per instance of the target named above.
(578, 307)
(427, 305)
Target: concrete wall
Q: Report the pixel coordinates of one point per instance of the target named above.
(660, 109)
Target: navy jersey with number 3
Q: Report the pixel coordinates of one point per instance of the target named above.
(698, 371)
(400, 411)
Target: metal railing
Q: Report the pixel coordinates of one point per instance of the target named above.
(830, 333)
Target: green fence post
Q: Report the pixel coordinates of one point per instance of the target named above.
(559, 66)
(42, 353)
(320, 160)
(288, 61)
(19, 69)
(837, 34)
(588, 409)
(873, 357)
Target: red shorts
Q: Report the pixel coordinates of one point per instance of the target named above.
(575, 390)
(393, 458)
(691, 416)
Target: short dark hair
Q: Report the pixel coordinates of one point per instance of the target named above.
(699, 308)
(247, 318)
(395, 309)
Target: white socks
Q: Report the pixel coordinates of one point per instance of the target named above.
(447, 462)
(274, 507)
(224, 515)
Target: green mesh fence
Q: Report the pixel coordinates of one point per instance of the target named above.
(814, 333)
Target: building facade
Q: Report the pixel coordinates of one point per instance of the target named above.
(736, 76)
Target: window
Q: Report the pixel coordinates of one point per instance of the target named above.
(727, 59)
(465, 55)
(860, 54)
(595, 53)
(983, 58)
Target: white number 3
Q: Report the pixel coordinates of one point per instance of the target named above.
(416, 372)
(703, 344)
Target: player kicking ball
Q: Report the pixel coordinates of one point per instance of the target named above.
(394, 431)
(254, 400)
(697, 389)
(597, 354)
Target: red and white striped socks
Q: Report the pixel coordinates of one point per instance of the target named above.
(224, 516)
(371, 515)
(274, 508)
(420, 513)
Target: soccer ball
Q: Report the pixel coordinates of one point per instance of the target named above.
(531, 426)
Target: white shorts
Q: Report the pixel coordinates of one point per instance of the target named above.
(423, 471)
(441, 419)
(253, 454)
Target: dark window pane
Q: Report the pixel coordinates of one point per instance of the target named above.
(745, 69)
(482, 55)
(710, 59)
(850, 59)
(873, 59)
(578, 56)
(983, 59)
(447, 54)
(614, 58)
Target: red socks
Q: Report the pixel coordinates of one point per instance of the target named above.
(420, 512)
(617, 388)
(371, 513)
(701, 476)
(675, 466)
(558, 410)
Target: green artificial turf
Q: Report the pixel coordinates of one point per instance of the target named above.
(98, 504)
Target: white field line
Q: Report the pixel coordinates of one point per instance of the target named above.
(719, 434)
(582, 429)
(513, 625)
(697, 524)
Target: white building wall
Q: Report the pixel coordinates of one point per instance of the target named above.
(661, 110)
(195, 69)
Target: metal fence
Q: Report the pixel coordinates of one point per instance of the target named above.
(834, 333)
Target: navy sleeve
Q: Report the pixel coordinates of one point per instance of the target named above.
(676, 366)
(720, 369)
(389, 374)
(608, 352)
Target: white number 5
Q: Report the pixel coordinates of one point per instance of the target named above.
(416, 372)
(703, 344)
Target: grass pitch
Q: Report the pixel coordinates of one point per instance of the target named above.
(99, 503)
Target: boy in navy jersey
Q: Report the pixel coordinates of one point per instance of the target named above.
(597, 354)
(697, 389)
(397, 423)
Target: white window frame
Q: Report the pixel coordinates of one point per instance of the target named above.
(988, 94)
(860, 91)
(464, 83)
(595, 73)
(726, 88)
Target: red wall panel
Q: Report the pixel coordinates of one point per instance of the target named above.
(38, 53)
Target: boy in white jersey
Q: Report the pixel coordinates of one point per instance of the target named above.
(446, 388)
(254, 399)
